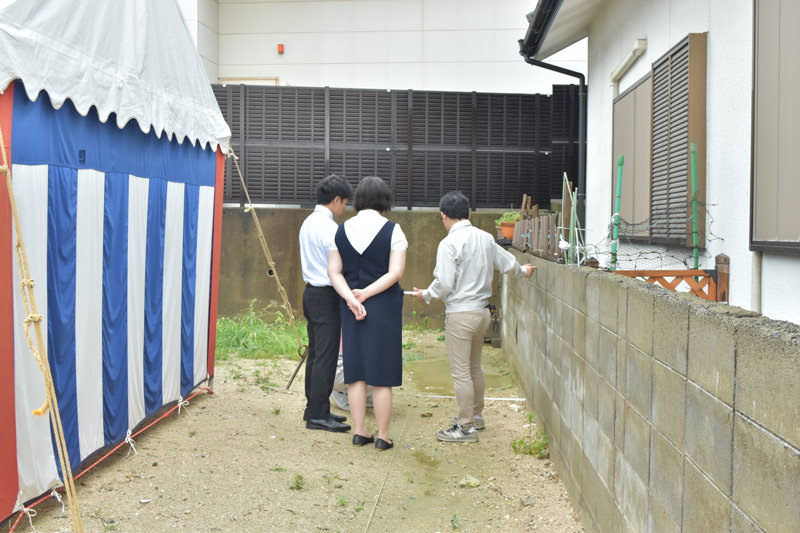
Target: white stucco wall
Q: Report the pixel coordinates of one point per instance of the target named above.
(455, 45)
(202, 17)
(729, 24)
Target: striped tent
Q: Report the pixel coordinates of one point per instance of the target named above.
(114, 141)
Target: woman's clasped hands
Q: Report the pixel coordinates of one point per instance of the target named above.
(355, 305)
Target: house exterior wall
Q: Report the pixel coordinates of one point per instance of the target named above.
(446, 45)
(202, 18)
(728, 131)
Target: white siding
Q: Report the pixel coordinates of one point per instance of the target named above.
(451, 45)
(728, 132)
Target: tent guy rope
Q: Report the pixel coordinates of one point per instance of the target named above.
(302, 349)
(40, 353)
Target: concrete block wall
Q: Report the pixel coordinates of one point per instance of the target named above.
(664, 412)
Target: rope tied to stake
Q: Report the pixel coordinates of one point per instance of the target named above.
(57, 496)
(182, 403)
(30, 513)
(271, 271)
(131, 442)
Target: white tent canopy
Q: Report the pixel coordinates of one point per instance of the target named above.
(91, 52)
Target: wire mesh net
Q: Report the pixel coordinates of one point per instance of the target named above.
(637, 250)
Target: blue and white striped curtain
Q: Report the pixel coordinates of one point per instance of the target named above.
(118, 231)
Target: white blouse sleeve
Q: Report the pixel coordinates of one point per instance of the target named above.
(399, 241)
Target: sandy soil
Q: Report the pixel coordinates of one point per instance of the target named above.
(241, 460)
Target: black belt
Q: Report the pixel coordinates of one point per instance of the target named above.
(310, 286)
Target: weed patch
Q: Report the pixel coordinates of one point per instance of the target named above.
(533, 443)
(258, 334)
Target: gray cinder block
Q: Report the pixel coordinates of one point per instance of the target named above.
(766, 473)
(709, 430)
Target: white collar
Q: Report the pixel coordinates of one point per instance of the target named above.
(458, 225)
(324, 210)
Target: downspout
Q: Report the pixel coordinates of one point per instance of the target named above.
(755, 290)
(639, 47)
(581, 127)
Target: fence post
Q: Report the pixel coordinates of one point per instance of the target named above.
(615, 236)
(693, 148)
(722, 263)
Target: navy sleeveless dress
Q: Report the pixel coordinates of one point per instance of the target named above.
(372, 348)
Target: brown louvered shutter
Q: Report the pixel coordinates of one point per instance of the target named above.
(678, 119)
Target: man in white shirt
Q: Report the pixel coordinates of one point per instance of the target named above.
(321, 304)
(465, 263)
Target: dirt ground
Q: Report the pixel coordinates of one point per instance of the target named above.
(241, 460)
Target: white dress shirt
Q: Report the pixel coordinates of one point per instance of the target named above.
(316, 234)
(362, 229)
(465, 263)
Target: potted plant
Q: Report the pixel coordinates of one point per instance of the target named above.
(506, 223)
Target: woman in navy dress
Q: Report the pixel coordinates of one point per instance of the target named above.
(366, 262)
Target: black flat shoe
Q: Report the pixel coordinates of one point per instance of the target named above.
(382, 445)
(327, 424)
(360, 440)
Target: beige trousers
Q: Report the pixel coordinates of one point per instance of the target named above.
(464, 333)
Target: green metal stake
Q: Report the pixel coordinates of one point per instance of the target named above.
(620, 163)
(693, 148)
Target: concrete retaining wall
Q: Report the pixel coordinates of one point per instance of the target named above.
(664, 412)
(243, 267)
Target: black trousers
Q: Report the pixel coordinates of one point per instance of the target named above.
(321, 309)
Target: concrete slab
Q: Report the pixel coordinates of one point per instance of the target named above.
(767, 377)
(579, 332)
(639, 380)
(622, 364)
(607, 355)
(709, 430)
(590, 380)
(711, 351)
(634, 501)
(671, 332)
(620, 417)
(705, 508)
(666, 478)
(609, 300)
(766, 475)
(741, 523)
(658, 519)
(593, 309)
(641, 306)
(606, 409)
(669, 403)
(637, 443)
(591, 344)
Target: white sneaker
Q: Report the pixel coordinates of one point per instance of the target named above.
(457, 433)
(478, 423)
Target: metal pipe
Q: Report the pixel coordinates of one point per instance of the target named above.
(693, 148)
(581, 188)
(615, 236)
(755, 287)
(639, 47)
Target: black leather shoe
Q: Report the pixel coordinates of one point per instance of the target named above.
(327, 424)
(338, 418)
(360, 440)
(382, 445)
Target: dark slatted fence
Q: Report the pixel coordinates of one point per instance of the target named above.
(493, 147)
